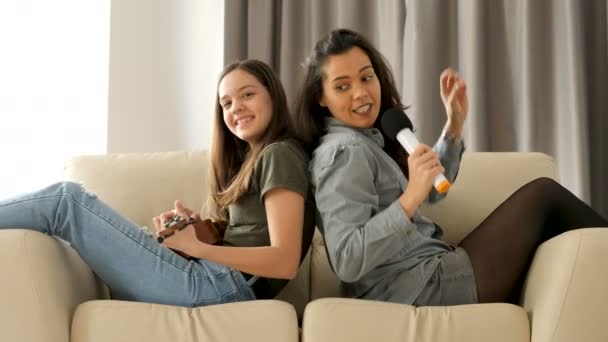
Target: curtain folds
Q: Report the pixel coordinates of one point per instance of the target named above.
(283, 32)
(537, 71)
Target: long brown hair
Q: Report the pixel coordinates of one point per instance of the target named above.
(232, 159)
(309, 116)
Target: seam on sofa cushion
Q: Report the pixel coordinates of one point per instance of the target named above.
(561, 307)
(29, 272)
(311, 248)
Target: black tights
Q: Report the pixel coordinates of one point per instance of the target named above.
(502, 246)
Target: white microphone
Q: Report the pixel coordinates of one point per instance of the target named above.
(397, 126)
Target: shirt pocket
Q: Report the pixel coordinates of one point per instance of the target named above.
(387, 187)
(325, 160)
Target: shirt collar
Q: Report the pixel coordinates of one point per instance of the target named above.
(334, 125)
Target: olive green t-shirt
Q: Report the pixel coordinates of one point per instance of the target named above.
(282, 164)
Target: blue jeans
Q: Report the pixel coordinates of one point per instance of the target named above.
(122, 254)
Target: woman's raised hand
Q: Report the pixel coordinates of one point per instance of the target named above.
(453, 90)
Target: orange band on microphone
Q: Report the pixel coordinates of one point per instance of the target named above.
(443, 187)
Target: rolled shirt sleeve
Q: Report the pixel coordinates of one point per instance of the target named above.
(450, 152)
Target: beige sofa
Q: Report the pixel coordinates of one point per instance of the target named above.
(48, 293)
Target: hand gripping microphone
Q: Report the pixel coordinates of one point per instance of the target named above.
(397, 126)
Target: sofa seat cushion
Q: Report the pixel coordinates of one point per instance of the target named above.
(117, 321)
(353, 320)
(323, 280)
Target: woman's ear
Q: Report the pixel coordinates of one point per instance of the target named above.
(322, 103)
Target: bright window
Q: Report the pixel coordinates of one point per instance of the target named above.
(54, 65)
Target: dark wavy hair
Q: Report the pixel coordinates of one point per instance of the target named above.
(309, 115)
(232, 159)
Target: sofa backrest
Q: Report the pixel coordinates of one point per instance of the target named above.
(485, 180)
(143, 185)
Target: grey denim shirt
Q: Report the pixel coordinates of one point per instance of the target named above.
(370, 240)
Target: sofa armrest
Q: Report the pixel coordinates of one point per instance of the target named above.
(43, 281)
(566, 292)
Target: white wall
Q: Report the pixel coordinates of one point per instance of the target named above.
(53, 88)
(165, 57)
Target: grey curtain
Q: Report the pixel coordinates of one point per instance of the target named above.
(537, 75)
(283, 32)
(537, 70)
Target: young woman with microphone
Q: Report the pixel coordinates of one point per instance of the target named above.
(368, 190)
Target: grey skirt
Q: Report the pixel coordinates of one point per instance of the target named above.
(452, 283)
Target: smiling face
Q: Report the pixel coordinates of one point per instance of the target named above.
(351, 90)
(246, 105)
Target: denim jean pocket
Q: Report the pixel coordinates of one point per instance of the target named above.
(214, 269)
(221, 285)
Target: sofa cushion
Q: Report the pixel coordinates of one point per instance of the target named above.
(116, 321)
(353, 320)
(484, 181)
(143, 185)
(297, 290)
(323, 281)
